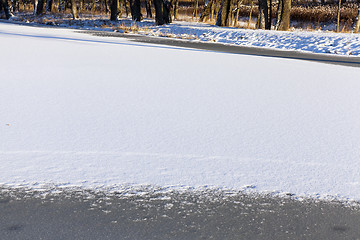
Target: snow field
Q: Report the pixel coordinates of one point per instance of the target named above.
(97, 112)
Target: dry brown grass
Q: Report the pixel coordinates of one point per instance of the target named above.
(323, 14)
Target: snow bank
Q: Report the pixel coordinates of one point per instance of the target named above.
(80, 110)
(314, 42)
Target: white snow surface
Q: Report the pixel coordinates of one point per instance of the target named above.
(80, 110)
(304, 41)
(345, 44)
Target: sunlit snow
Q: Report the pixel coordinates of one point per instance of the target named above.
(90, 111)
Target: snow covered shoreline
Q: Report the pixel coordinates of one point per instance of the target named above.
(83, 111)
(344, 44)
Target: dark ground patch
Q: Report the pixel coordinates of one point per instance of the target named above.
(149, 214)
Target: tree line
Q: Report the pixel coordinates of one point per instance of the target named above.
(225, 12)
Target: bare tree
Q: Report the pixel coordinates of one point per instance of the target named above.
(195, 13)
(263, 17)
(35, 3)
(107, 8)
(176, 9)
(62, 5)
(223, 17)
(121, 6)
(283, 15)
(338, 17)
(217, 8)
(135, 10)
(357, 22)
(237, 11)
(251, 10)
(269, 3)
(49, 5)
(74, 9)
(93, 7)
(168, 11)
(164, 11)
(212, 10)
(127, 7)
(39, 7)
(13, 6)
(81, 7)
(114, 10)
(148, 8)
(207, 10)
(159, 8)
(5, 6)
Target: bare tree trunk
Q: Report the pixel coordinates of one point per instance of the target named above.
(102, 5)
(49, 5)
(127, 7)
(338, 17)
(81, 7)
(251, 10)
(237, 12)
(14, 6)
(121, 5)
(74, 9)
(217, 8)
(212, 9)
(35, 3)
(279, 14)
(148, 8)
(223, 18)
(357, 22)
(159, 8)
(167, 11)
(135, 10)
(176, 9)
(93, 8)
(263, 17)
(221, 14)
(196, 9)
(59, 6)
(5, 6)
(283, 15)
(207, 10)
(106, 6)
(114, 10)
(269, 3)
(40, 7)
(230, 13)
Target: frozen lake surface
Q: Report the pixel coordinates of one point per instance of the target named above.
(106, 113)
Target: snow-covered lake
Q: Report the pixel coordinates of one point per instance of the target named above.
(80, 110)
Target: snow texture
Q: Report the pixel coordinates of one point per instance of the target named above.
(315, 42)
(347, 44)
(80, 110)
